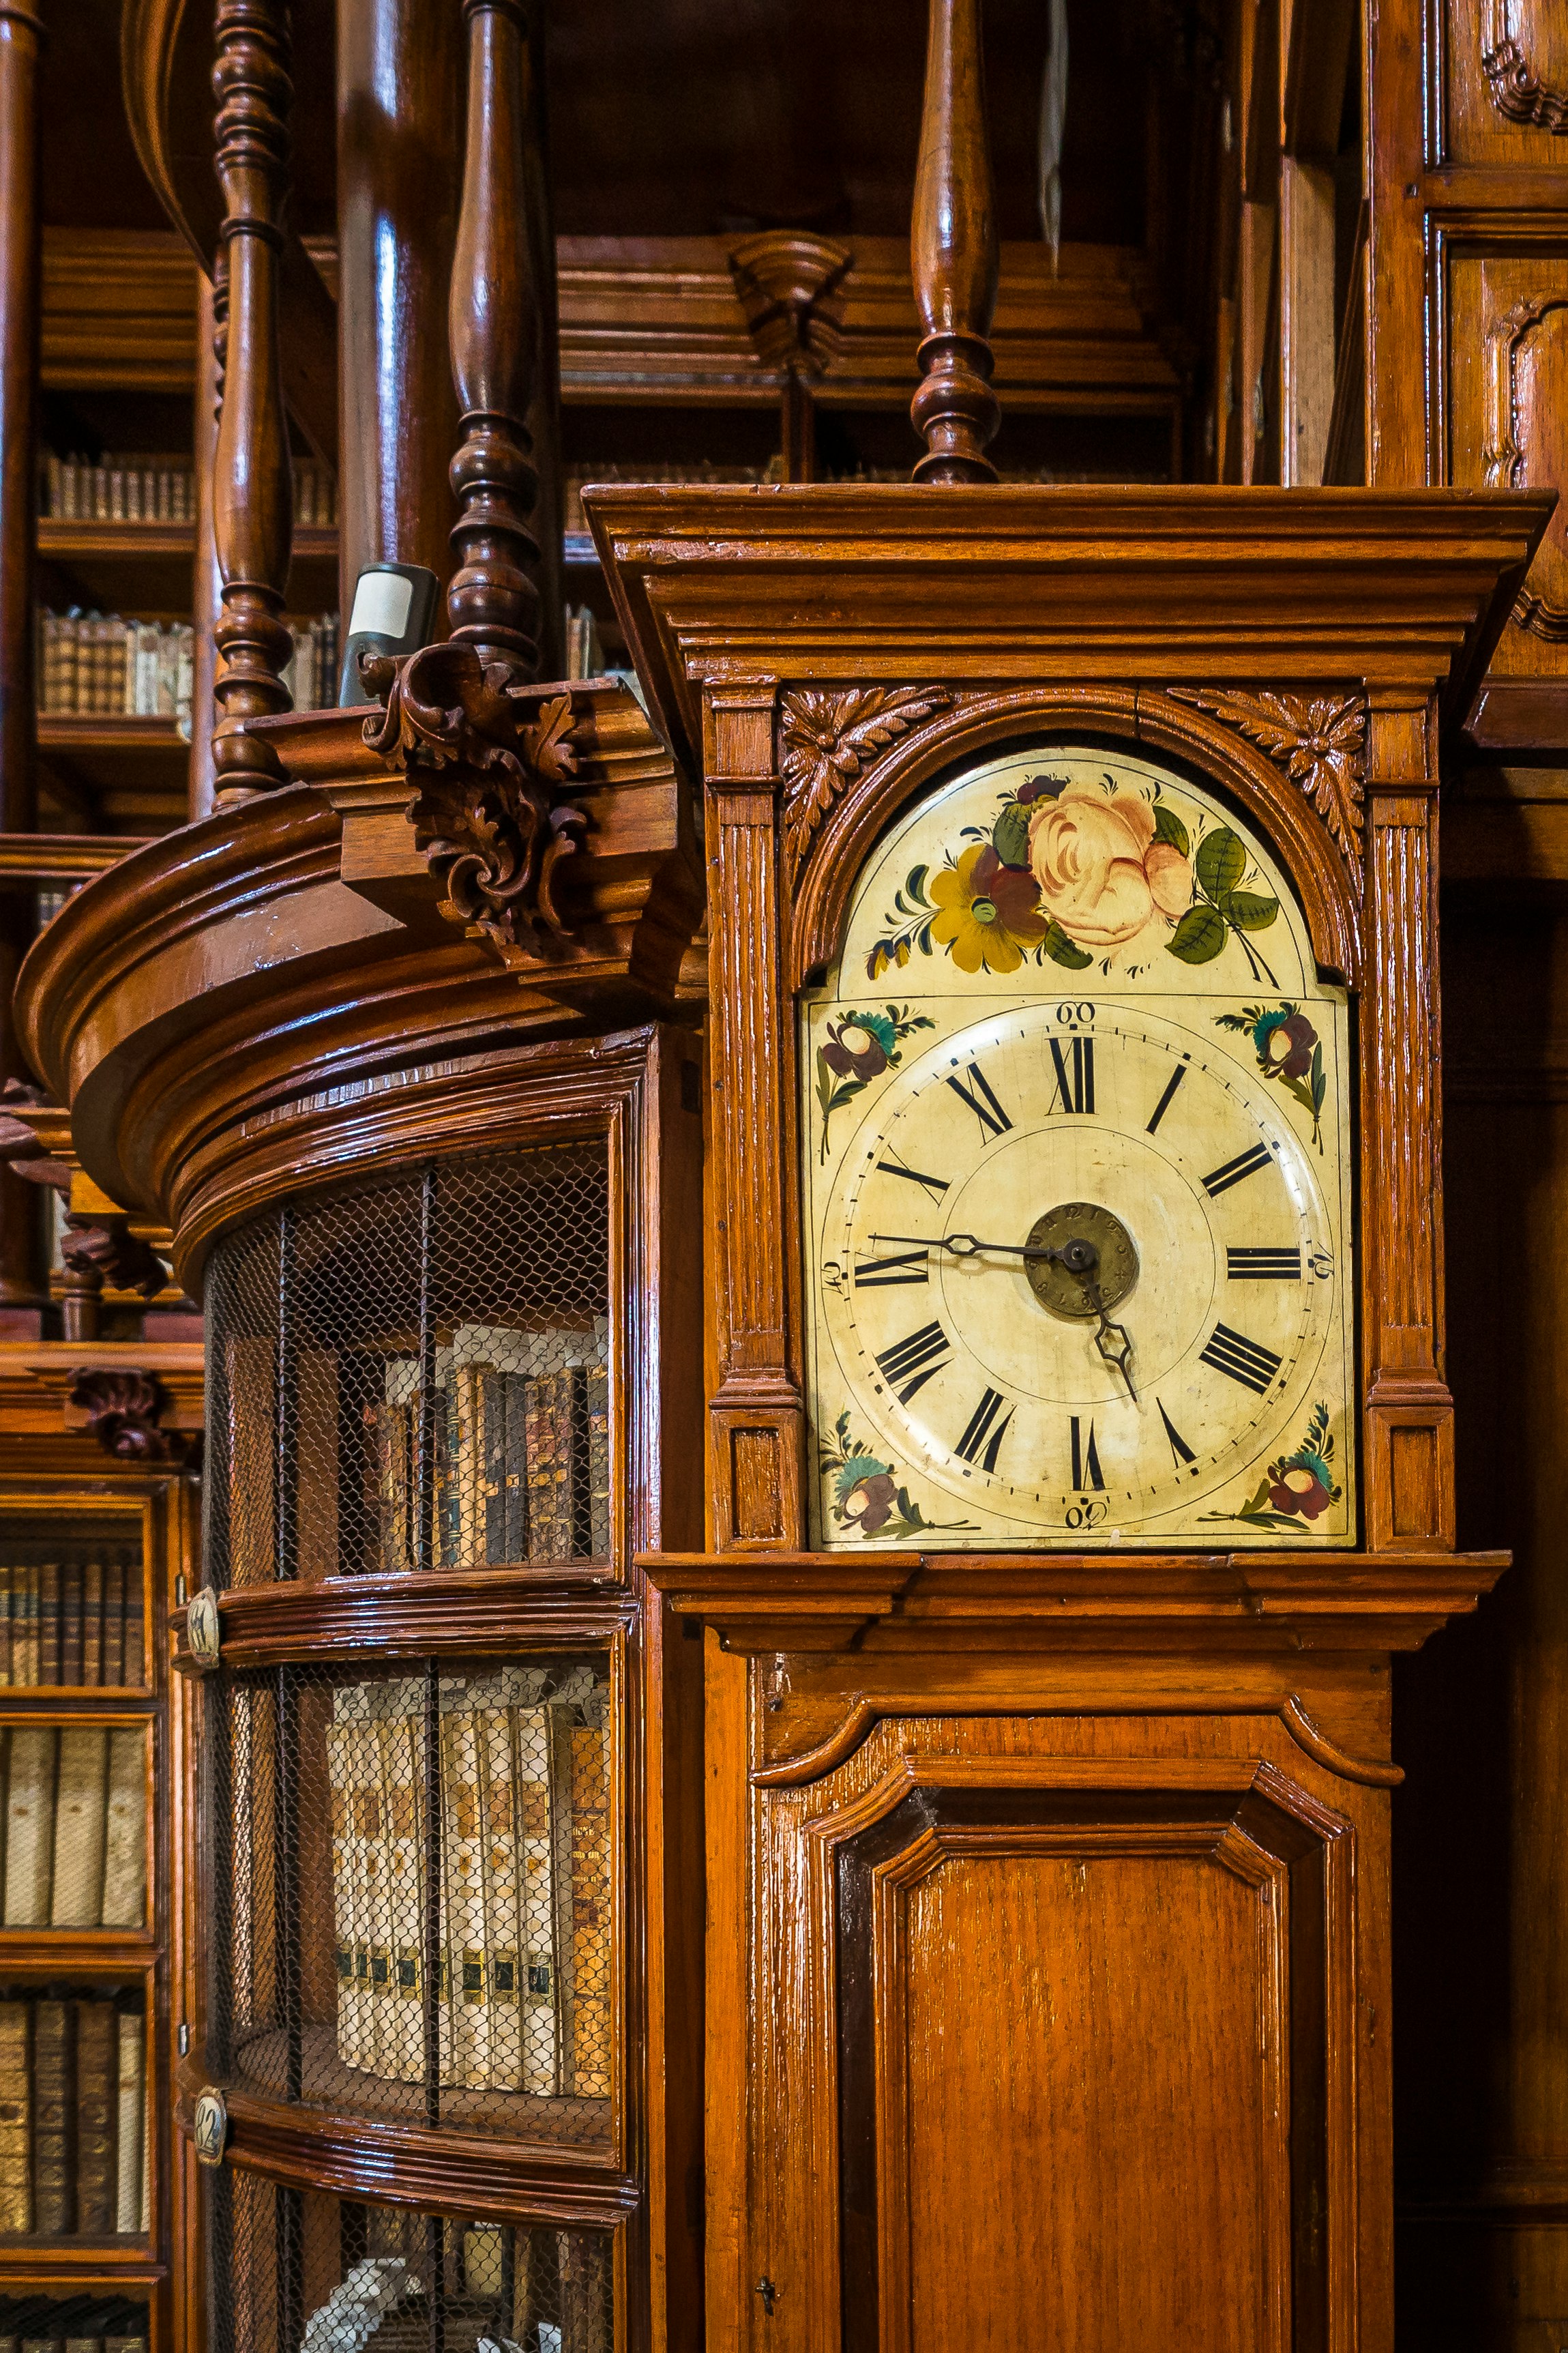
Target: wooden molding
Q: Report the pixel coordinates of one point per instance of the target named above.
(475, 1613)
(37, 1378)
(940, 1604)
(1202, 587)
(360, 2156)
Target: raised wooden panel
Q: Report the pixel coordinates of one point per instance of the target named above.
(1507, 334)
(1123, 2185)
(1065, 2011)
(1505, 83)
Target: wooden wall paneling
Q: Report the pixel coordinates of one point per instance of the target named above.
(400, 66)
(253, 490)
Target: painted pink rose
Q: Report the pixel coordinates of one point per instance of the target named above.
(1099, 869)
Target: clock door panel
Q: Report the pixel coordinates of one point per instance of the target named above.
(1088, 2025)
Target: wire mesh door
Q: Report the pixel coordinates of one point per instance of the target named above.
(302, 2272)
(411, 1892)
(414, 1374)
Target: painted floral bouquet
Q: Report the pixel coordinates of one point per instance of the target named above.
(1077, 874)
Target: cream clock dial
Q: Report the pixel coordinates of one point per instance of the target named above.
(1079, 1228)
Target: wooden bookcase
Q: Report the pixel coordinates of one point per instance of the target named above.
(147, 1515)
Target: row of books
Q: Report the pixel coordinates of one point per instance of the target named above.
(522, 1472)
(152, 487)
(310, 673)
(75, 1818)
(524, 2002)
(73, 2117)
(99, 665)
(72, 1621)
(72, 2323)
(584, 653)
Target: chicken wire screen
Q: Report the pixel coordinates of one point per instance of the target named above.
(441, 1961)
(299, 2271)
(415, 1374)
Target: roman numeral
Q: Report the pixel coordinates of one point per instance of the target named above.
(908, 1364)
(1263, 1265)
(907, 1266)
(893, 1166)
(980, 1422)
(1180, 1450)
(993, 1119)
(1246, 1164)
(1075, 1077)
(1085, 1458)
(1164, 1105)
(1240, 1359)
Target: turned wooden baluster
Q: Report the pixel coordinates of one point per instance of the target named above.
(253, 495)
(954, 255)
(493, 601)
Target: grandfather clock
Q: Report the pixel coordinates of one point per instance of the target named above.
(1079, 1442)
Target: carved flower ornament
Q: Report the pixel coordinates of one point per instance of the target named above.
(488, 815)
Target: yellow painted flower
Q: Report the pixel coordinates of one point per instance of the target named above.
(991, 915)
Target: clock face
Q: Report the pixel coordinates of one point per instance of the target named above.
(1077, 1140)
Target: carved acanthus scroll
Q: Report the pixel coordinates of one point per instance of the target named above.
(489, 813)
(1518, 91)
(1319, 740)
(824, 740)
(1518, 416)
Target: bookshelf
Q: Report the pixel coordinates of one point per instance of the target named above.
(435, 1444)
(95, 1991)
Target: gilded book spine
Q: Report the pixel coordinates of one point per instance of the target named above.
(16, 2112)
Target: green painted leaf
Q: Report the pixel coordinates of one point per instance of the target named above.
(1320, 1080)
(1011, 837)
(1168, 826)
(1250, 911)
(1221, 863)
(1199, 936)
(1063, 951)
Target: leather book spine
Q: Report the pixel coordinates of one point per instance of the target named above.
(124, 1904)
(97, 2115)
(92, 1622)
(53, 2119)
(115, 1580)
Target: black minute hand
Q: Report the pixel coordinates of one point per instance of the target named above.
(1079, 1258)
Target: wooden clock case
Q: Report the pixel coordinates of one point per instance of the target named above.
(1047, 1972)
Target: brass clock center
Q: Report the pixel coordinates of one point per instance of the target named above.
(1058, 1283)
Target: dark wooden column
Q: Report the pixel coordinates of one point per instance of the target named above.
(400, 144)
(494, 601)
(954, 255)
(252, 481)
(21, 31)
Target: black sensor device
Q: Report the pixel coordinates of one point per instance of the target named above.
(393, 606)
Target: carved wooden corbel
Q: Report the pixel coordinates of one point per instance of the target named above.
(825, 740)
(30, 1129)
(1319, 742)
(489, 813)
(789, 287)
(123, 1409)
